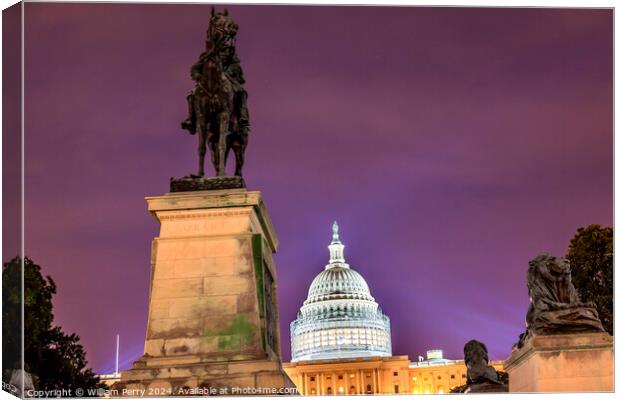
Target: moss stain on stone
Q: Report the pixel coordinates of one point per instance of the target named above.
(238, 333)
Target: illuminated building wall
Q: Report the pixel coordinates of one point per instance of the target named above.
(438, 375)
(370, 375)
(379, 375)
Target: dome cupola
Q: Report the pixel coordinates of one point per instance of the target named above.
(336, 249)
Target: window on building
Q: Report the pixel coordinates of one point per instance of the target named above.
(439, 377)
(462, 375)
(368, 389)
(351, 375)
(329, 390)
(329, 378)
(395, 373)
(313, 391)
(396, 389)
(341, 389)
(367, 375)
(452, 376)
(352, 390)
(312, 379)
(339, 376)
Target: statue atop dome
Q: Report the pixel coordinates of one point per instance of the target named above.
(335, 236)
(336, 250)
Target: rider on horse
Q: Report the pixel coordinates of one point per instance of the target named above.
(234, 73)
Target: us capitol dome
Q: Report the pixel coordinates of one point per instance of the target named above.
(340, 318)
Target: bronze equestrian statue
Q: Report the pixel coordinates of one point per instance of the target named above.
(218, 104)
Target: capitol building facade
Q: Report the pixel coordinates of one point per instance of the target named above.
(341, 342)
(340, 318)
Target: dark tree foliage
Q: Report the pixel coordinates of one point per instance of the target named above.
(54, 359)
(591, 253)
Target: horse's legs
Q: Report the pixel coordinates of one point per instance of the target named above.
(239, 149)
(202, 138)
(212, 147)
(221, 170)
(228, 147)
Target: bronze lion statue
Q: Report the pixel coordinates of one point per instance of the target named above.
(555, 307)
(481, 377)
(477, 363)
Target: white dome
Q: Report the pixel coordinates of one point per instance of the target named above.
(338, 283)
(340, 318)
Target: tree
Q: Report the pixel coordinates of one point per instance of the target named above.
(54, 359)
(591, 253)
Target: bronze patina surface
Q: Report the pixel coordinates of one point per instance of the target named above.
(217, 106)
(481, 377)
(555, 307)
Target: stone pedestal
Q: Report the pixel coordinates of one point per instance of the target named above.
(213, 316)
(563, 363)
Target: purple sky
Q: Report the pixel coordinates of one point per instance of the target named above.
(452, 145)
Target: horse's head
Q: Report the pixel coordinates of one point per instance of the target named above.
(222, 30)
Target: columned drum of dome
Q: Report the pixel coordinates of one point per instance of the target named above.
(340, 318)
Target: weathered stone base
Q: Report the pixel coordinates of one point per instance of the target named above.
(213, 316)
(194, 183)
(563, 363)
(160, 376)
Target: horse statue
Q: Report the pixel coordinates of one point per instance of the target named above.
(218, 103)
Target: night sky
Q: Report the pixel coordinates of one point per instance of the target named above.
(451, 144)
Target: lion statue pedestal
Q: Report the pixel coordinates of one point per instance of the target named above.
(564, 348)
